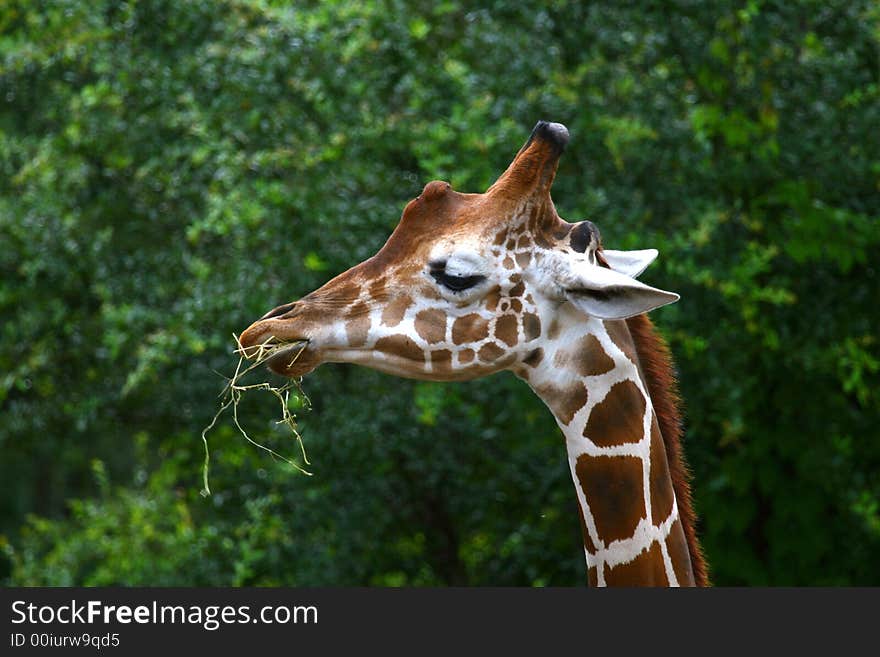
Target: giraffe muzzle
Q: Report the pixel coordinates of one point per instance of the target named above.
(269, 340)
(290, 358)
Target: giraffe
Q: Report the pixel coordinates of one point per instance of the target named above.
(472, 284)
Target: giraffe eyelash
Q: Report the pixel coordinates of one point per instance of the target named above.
(452, 282)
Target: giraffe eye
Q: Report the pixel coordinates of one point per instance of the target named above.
(457, 283)
(454, 282)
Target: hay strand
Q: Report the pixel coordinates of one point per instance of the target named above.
(231, 395)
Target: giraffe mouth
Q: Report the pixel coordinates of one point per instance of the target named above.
(280, 356)
(292, 358)
(285, 353)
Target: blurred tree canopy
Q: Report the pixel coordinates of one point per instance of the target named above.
(171, 170)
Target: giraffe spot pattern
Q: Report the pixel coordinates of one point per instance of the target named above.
(490, 352)
(531, 326)
(542, 241)
(431, 325)
(617, 419)
(347, 294)
(465, 356)
(662, 494)
(401, 345)
(506, 330)
(647, 569)
(358, 325)
(590, 358)
(394, 311)
(614, 491)
(588, 542)
(534, 216)
(441, 361)
(676, 545)
(619, 334)
(534, 358)
(493, 298)
(377, 287)
(565, 402)
(470, 328)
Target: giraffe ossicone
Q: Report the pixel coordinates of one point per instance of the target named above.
(471, 284)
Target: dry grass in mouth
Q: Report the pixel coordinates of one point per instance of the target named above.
(231, 397)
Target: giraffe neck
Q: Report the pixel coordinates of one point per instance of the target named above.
(588, 374)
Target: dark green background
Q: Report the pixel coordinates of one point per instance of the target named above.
(171, 170)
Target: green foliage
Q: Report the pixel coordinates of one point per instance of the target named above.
(169, 171)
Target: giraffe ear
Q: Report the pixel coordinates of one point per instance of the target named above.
(607, 294)
(631, 263)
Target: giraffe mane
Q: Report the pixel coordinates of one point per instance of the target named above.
(657, 366)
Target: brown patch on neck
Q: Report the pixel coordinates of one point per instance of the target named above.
(656, 363)
(588, 542)
(647, 569)
(619, 334)
(615, 493)
(618, 418)
(586, 357)
(564, 402)
(590, 358)
(676, 545)
(661, 482)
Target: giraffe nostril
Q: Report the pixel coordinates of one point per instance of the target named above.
(280, 310)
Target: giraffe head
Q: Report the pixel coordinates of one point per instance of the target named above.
(467, 284)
